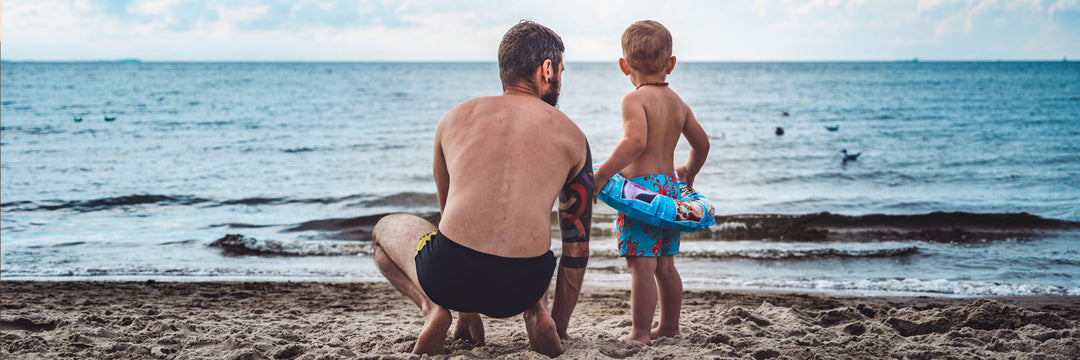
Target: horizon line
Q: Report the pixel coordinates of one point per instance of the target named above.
(901, 60)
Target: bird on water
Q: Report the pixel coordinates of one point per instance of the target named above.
(850, 157)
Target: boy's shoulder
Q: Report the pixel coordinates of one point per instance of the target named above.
(650, 97)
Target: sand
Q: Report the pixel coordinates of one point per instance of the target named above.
(279, 320)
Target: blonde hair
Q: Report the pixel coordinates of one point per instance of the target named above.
(646, 46)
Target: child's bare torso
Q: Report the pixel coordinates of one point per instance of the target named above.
(666, 115)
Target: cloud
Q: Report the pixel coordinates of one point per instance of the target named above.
(416, 30)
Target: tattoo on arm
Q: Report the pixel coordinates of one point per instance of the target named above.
(575, 214)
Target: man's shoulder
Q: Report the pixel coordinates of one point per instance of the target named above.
(473, 103)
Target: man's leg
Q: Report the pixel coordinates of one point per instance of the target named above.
(670, 284)
(540, 328)
(394, 240)
(469, 328)
(642, 297)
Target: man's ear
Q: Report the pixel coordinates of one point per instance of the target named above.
(547, 71)
(670, 64)
(624, 66)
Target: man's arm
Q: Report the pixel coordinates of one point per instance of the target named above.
(438, 167)
(575, 220)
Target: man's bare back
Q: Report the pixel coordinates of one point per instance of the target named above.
(500, 162)
(494, 161)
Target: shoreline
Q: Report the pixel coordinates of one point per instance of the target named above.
(331, 320)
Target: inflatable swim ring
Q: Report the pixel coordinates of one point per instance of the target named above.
(691, 212)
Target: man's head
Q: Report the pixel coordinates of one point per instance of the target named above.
(646, 47)
(523, 51)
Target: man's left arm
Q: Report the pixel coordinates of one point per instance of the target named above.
(575, 221)
(439, 169)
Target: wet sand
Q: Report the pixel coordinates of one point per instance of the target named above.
(307, 320)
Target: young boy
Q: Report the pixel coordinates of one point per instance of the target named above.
(653, 118)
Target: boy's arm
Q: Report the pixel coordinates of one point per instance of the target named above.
(635, 136)
(575, 221)
(699, 149)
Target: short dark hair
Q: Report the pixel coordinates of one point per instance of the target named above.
(646, 46)
(524, 48)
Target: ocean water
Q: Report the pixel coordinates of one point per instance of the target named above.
(300, 159)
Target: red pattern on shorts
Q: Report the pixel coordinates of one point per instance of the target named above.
(637, 238)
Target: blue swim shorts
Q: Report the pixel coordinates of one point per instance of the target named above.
(636, 238)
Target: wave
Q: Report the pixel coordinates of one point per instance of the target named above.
(952, 227)
(237, 245)
(299, 150)
(889, 177)
(405, 200)
(823, 227)
(779, 254)
(108, 203)
(356, 228)
(941, 227)
(894, 286)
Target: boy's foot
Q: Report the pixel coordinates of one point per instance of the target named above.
(658, 332)
(641, 339)
(470, 328)
(542, 335)
(432, 337)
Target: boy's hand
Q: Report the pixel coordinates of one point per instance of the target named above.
(683, 174)
(600, 181)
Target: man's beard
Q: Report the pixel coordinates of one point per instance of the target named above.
(552, 96)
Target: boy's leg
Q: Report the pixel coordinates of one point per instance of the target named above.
(394, 240)
(540, 327)
(670, 284)
(642, 297)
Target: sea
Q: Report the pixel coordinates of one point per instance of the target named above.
(967, 180)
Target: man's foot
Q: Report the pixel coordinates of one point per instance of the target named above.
(470, 328)
(542, 335)
(644, 339)
(661, 332)
(432, 338)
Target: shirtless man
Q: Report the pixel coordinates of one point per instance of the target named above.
(500, 163)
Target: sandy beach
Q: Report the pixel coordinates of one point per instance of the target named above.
(309, 320)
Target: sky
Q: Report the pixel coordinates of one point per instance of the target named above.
(470, 30)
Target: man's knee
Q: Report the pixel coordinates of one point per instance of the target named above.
(389, 223)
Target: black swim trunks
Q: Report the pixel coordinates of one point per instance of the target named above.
(462, 279)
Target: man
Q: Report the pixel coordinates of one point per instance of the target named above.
(499, 164)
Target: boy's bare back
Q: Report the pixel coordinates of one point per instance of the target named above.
(664, 117)
(654, 116)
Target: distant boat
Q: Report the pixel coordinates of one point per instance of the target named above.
(832, 128)
(785, 113)
(78, 119)
(779, 131)
(110, 118)
(850, 157)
